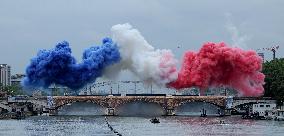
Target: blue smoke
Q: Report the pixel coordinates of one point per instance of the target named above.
(60, 67)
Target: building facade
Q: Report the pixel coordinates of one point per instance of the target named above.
(5, 74)
(263, 109)
(16, 79)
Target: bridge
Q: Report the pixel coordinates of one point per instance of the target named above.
(111, 103)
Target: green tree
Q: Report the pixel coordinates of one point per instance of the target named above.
(274, 79)
(11, 89)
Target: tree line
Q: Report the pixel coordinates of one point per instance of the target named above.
(11, 89)
(274, 79)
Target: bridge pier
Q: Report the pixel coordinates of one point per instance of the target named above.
(203, 113)
(110, 112)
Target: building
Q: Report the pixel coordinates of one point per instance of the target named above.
(5, 74)
(263, 109)
(16, 79)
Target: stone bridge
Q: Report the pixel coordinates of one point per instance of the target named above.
(168, 103)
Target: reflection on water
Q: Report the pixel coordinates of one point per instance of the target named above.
(139, 126)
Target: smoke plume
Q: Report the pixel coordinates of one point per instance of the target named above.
(138, 56)
(238, 39)
(60, 67)
(217, 65)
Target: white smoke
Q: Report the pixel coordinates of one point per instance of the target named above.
(238, 39)
(139, 57)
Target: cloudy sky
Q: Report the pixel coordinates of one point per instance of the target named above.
(27, 26)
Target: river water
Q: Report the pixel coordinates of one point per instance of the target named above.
(139, 126)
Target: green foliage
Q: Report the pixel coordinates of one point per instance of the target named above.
(274, 79)
(11, 89)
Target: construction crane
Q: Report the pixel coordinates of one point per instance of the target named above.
(273, 49)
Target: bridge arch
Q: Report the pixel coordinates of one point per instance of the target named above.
(196, 107)
(181, 103)
(63, 103)
(81, 108)
(140, 108)
(160, 102)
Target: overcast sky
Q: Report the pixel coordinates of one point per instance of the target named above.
(27, 26)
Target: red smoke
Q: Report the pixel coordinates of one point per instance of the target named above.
(218, 65)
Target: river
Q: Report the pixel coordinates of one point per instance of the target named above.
(139, 126)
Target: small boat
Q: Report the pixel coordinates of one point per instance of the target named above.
(155, 120)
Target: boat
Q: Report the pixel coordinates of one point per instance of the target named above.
(222, 122)
(155, 120)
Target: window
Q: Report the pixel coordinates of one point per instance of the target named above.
(267, 105)
(261, 105)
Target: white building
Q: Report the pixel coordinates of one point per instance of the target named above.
(263, 109)
(5, 74)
